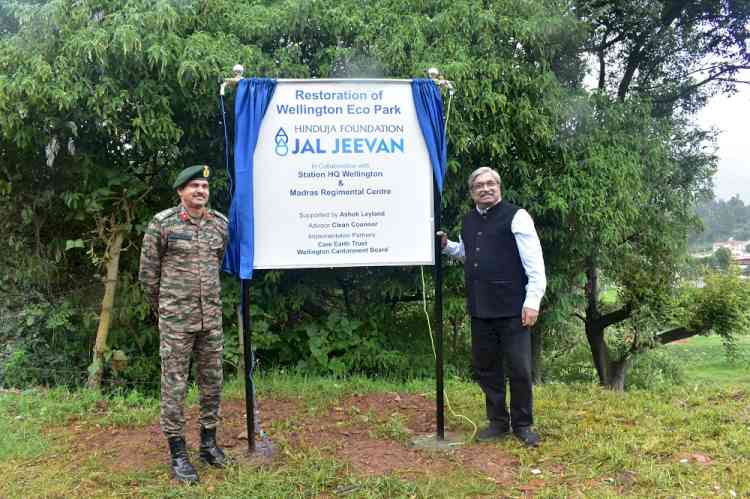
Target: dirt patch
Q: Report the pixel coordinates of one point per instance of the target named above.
(371, 433)
(354, 431)
(490, 461)
(233, 429)
(143, 448)
(120, 449)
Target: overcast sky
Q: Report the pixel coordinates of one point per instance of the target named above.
(731, 115)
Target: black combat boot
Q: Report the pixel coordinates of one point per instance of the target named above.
(495, 431)
(210, 452)
(181, 468)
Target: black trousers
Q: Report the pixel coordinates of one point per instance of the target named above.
(502, 348)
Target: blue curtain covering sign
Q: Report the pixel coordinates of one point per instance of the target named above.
(251, 103)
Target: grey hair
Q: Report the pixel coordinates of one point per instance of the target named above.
(482, 170)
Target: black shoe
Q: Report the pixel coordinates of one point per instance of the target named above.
(526, 435)
(493, 432)
(210, 452)
(182, 470)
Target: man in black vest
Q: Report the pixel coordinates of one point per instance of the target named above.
(505, 282)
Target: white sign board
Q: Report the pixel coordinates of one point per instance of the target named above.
(342, 177)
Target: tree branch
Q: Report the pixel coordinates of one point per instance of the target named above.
(607, 320)
(646, 41)
(724, 68)
(690, 88)
(676, 334)
(605, 44)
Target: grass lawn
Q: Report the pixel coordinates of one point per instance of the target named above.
(705, 361)
(351, 438)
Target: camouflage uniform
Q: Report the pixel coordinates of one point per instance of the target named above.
(180, 261)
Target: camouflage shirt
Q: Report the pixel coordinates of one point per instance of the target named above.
(180, 262)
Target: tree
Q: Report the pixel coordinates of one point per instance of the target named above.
(113, 226)
(722, 259)
(614, 222)
(96, 92)
(674, 51)
(634, 166)
(721, 220)
(720, 307)
(99, 100)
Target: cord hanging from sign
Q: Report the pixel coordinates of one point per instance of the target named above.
(441, 82)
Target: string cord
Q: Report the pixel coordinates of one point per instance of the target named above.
(230, 184)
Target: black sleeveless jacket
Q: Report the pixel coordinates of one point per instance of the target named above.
(494, 274)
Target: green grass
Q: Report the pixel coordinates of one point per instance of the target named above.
(596, 443)
(704, 360)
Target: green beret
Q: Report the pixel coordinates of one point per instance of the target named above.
(190, 173)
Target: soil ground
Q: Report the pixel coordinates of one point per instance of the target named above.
(350, 432)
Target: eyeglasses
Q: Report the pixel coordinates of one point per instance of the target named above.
(481, 185)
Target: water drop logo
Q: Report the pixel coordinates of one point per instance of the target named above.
(282, 142)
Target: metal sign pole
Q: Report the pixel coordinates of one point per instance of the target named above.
(248, 356)
(438, 276)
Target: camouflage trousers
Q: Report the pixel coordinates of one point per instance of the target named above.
(175, 350)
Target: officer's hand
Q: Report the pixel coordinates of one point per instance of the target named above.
(443, 238)
(529, 316)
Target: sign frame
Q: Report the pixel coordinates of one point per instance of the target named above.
(303, 185)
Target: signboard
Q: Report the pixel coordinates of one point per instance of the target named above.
(342, 177)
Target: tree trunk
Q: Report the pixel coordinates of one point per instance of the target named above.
(599, 352)
(594, 329)
(611, 373)
(96, 368)
(617, 372)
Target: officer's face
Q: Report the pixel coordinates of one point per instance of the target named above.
(194, 194)
(485, 191)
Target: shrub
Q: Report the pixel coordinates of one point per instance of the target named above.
(653, 369)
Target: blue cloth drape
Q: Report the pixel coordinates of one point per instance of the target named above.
(251, 101)
(429, 105)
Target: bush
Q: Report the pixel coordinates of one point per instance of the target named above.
(571, 366)
(653, 369)
(16, 372)
(650, 369)
(42, 346)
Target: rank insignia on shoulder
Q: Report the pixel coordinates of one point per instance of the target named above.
(206, 171)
